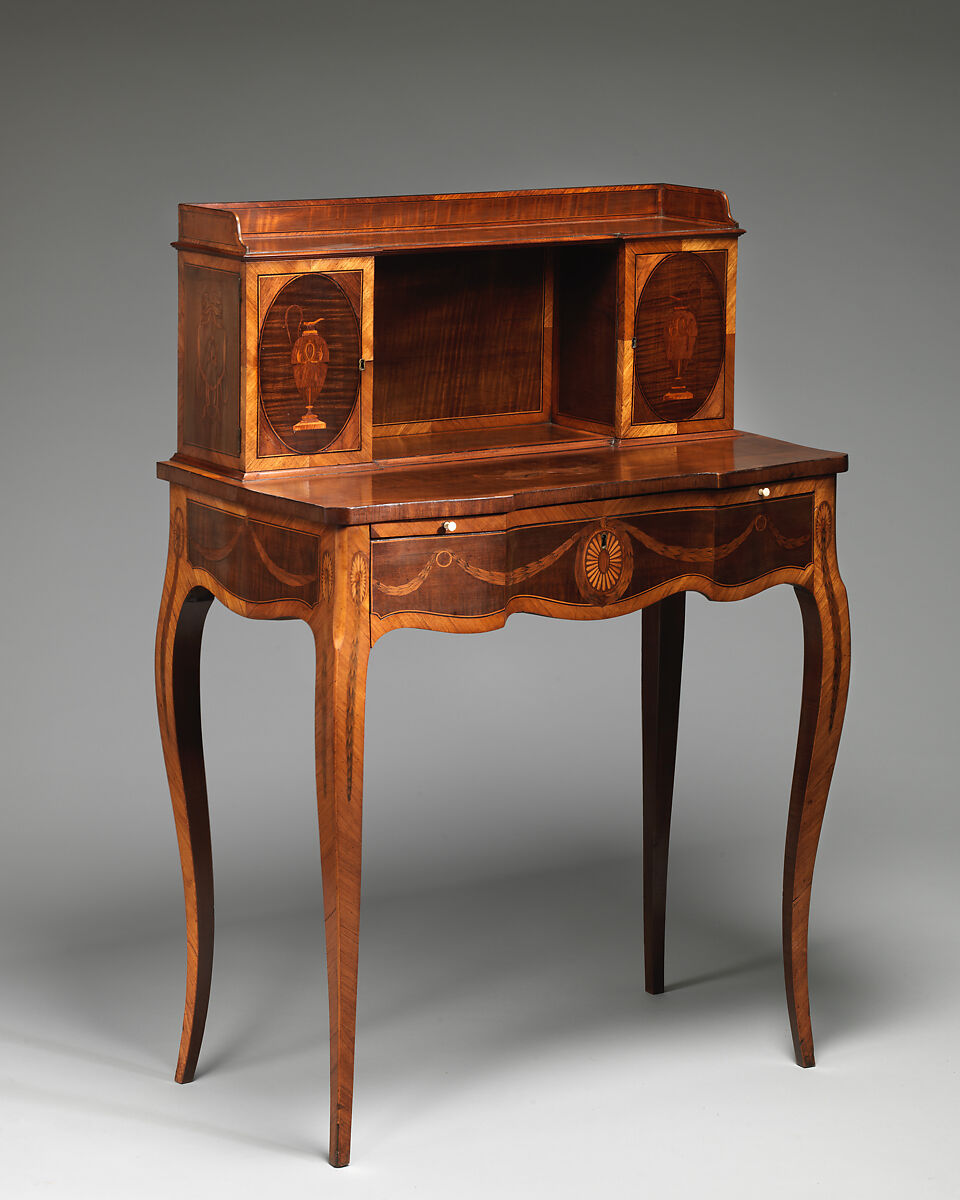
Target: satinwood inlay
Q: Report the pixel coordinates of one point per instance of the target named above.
(358, 579)
(604, 564)
(824, 538)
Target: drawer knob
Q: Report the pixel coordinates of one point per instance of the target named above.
(764, 493)
(449, 527)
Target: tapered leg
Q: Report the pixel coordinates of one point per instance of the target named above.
(826, 672)
(661, 670)
(183, 610)
(342, 632)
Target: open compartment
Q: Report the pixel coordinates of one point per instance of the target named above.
(465, 354)
(586, 308)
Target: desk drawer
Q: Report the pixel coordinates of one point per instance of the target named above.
(589, 562)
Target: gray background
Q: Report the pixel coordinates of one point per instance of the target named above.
(505, 1042)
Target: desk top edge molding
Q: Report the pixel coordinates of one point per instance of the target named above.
(360, 496)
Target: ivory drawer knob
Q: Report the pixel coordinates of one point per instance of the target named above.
(449, 527)
(764, 493)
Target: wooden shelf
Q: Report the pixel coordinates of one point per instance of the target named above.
(482, 443)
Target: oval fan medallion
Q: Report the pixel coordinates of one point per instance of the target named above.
(604, 564)
(679, 331)
(309, 362)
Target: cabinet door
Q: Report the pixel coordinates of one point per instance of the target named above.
(679, 326)
(309, 363)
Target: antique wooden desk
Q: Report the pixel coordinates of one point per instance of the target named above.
(436, 411)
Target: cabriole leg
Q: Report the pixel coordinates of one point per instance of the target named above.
(826, 672)
(183, 610)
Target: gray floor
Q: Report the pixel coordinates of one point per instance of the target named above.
(505, 1047)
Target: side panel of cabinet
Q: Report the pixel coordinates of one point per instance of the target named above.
(308, 386)
(209, 359)
(587, 284)
(676, 354)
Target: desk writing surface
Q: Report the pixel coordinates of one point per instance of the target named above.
(482, 486)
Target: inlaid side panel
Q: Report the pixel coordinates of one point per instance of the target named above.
(679, 333)
(595, 562)
(254, 560)
(309, 364)
(209, 337)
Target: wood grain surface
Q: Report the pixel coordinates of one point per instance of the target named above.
(391, 223)
(589, 562)
(826, 677)
(458, 335)
(585, 328)
(209, 359)
(662, 661)
(336, 606)
(362, 495)
(254, 560)
(183, 609)
(341, 626)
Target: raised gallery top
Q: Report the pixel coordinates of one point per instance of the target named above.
(379, 224)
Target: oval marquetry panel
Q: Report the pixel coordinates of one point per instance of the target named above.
(309, 363)
(679, 332)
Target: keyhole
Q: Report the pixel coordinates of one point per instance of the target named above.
(603, 541)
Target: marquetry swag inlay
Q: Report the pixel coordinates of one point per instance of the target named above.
(253, 559)
(596, 562)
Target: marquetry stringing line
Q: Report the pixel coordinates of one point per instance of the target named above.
(696, 554)
(219, 553)
(824, 535)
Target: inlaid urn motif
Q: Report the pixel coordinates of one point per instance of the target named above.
(679, 338)
(679, 332)
(309, 365)
(309, 356)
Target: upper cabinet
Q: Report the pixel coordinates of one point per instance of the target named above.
(326, 333)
